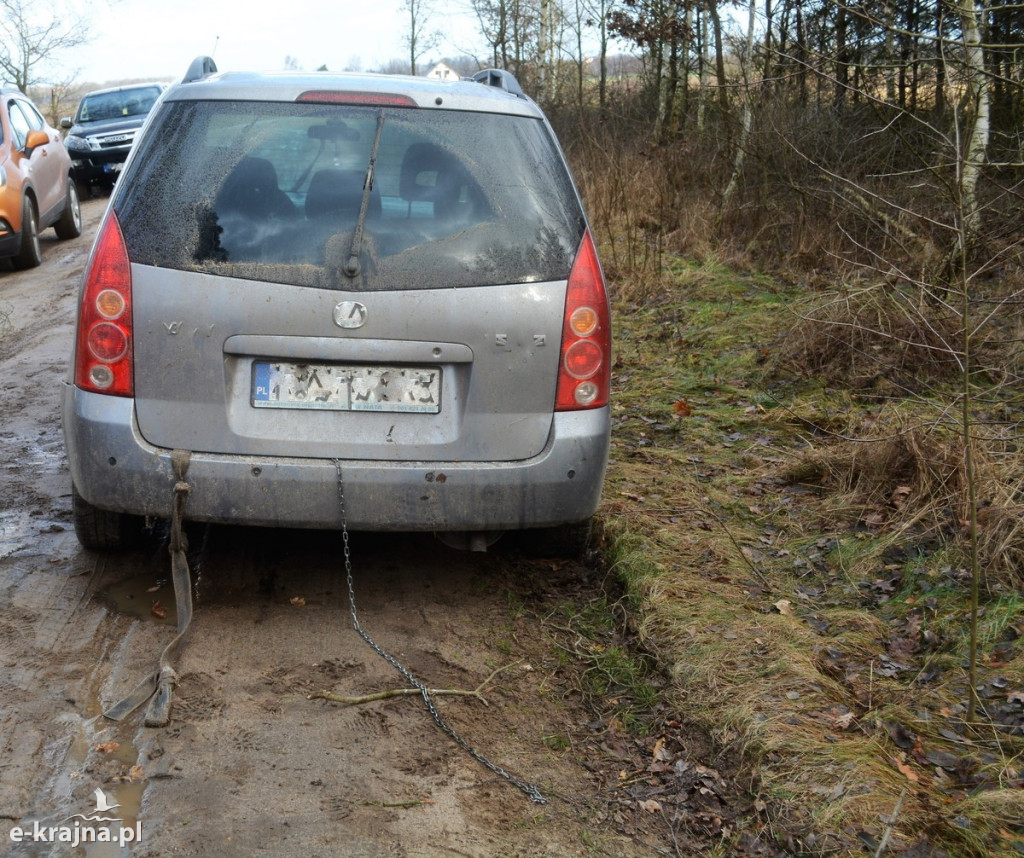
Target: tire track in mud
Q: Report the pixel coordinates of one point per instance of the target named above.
(52, 634)
(33, 312)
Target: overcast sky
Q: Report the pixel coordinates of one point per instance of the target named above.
(158, 40)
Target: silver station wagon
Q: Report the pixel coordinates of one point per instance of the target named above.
(303, 280)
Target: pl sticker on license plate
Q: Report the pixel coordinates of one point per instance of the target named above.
(346, 388)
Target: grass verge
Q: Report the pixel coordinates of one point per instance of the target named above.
(793, 550)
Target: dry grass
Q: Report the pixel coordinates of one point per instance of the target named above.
(804, 589)
(875, 337)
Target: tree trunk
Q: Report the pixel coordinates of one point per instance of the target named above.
(543, 47)
(746, 65)
(801, 54)
(940, 62)
(602, 86)
(704, 63)
(973, 158)
(716, 26)
(842, 73)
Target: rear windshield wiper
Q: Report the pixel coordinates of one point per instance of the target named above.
(352, 264)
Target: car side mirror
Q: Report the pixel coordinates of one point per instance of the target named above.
(34, 140)
(65, 122)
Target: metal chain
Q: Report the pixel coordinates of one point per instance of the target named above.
(529, 789)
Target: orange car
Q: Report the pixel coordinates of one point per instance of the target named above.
(36, 188)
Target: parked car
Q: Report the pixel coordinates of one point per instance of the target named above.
(36, 190)
(103, 129)
(311, 282)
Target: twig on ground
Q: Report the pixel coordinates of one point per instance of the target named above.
(892, 821)
(402, 692)
(416, 802)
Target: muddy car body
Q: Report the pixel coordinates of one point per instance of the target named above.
(311, 282)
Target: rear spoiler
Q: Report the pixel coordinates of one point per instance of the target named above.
(201, 67)
(502, 79)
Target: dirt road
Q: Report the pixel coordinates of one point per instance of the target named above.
(249, 764)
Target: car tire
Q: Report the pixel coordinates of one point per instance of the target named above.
(565, 540)
(70, 223)
(101, 529)
(31, 253)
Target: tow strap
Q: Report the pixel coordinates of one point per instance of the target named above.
(159, 685)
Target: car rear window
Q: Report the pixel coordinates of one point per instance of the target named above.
(277, 192)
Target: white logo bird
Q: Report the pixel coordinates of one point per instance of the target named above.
(101, 801)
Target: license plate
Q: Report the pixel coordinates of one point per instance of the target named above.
(329, 387)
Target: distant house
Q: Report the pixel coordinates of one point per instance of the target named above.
(443, 72)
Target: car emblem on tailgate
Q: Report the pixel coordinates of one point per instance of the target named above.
(350, 314)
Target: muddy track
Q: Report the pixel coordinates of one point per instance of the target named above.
(249, 763)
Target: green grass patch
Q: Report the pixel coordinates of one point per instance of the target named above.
(793, 551)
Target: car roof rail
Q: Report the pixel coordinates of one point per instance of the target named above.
(500, 78)
(201, 67)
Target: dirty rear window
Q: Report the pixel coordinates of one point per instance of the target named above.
(354, 198)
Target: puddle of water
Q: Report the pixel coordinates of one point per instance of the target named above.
(20, 529)
(128, 798)
(50, 456)
(143, 596)
(16, 527)
(116, 808)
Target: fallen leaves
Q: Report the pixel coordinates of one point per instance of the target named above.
(681, 408)
(907, 771)
(653, 775)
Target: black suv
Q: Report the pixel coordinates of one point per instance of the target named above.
(104, 129)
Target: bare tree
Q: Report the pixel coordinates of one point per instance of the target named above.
(746, 68)
(510, 28)
(34, 38)
(599, 11)
(419, 39)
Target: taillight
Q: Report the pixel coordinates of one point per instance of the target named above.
(103, 354)
(584, 369)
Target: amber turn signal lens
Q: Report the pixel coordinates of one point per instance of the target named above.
(583, 321)
(110, 304)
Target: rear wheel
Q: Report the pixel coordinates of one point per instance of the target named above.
(70, 223)
(101, 529)
(30, 254)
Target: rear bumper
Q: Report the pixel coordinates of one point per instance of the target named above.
(113, 468)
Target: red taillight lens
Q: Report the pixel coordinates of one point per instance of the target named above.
(103, 354)
(584, 370)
